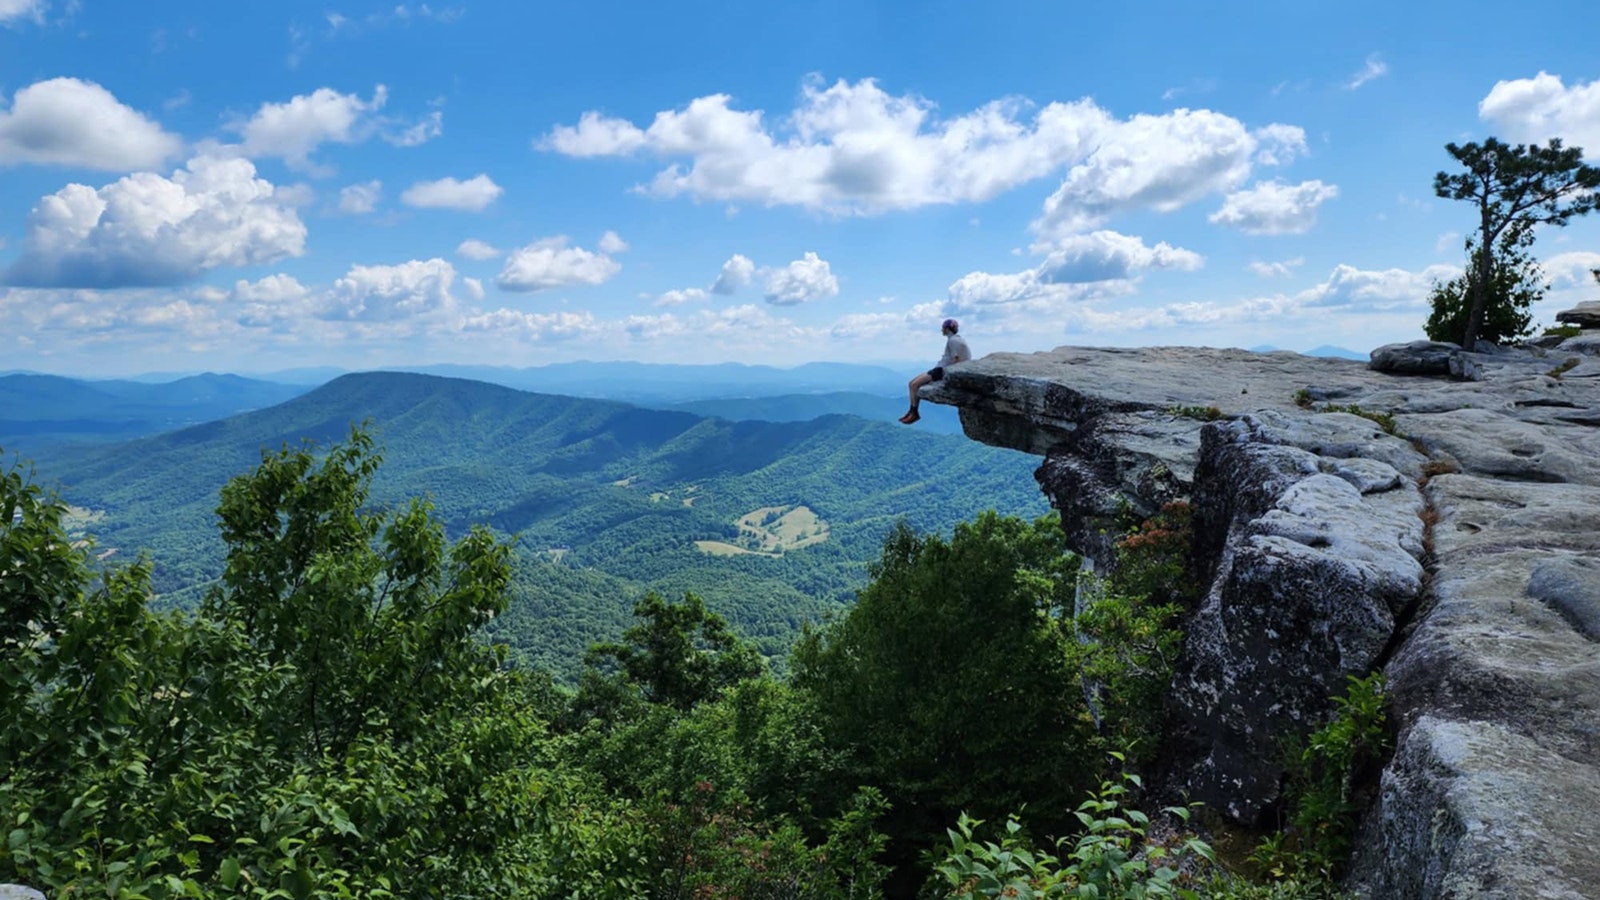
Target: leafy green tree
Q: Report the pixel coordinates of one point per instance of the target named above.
(682, 654)
(326, 725)
(1516, 283)
(1514, 187)
(950, 684)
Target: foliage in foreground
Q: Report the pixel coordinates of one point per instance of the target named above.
(1324, 775)
(1120, 854)
(1110, 858)
(327, 725)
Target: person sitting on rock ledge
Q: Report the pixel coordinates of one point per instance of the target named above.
(956, 352)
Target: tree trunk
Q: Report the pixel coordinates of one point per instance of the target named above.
(1480, 284)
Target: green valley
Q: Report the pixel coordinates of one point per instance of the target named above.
(606, 500)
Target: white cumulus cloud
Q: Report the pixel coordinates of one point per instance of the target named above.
(292, 130)
(148, 230)
(472, 195)
(735, 274)
(680, 297)
(1162, 163)
(389, 293)
(611, 242)
(359, 199)
(550, 263)
(1348, 287)
(854, 149)
(1273, 207)
(533, 326)
(472, 248)
(1109, 256)
(1573, 268)
(1534, 110)
(801, 281)
(70, 122)
(1073, 269)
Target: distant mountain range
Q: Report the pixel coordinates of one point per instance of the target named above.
(607, 499)
(45, 410)
(1324, 350)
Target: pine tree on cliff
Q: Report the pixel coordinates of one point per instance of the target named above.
(1514, 187)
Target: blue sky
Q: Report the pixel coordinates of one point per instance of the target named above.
(254, 186)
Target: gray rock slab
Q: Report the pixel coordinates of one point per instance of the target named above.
(1465, 811)
(1570, 585)
(18, 892)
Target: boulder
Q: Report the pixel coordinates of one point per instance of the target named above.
(1584, 315)
(18, 892)
(1415, 358)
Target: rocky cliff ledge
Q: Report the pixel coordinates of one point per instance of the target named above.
(1460, 554)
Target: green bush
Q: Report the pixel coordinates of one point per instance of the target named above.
(1324, 773)
(1111, 858)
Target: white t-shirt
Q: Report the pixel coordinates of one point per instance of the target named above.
(955, 351)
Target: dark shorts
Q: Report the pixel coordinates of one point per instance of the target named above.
(936, 373)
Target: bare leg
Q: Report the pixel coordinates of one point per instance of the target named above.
(912, 415)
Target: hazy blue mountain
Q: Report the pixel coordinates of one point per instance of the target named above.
(41, 411)
(1338, 352)
(654, 383)
(607, 499)
(659, 382)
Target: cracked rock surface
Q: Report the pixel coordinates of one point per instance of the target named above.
(1460, 554)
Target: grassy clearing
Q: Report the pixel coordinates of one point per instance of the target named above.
(771, 531)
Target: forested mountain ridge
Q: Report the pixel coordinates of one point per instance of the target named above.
(40, 411)
(607, 499)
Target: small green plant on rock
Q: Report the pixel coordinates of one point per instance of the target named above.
(1203, 413)
(1302, 398)
(1564, 368)
(1322, 781)
(1563, 331)
(1381, 419)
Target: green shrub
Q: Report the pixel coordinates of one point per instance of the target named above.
(1322, 778)
(1111, 858)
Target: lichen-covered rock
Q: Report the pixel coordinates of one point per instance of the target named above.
(1307, 575)
(18, 892)
(1313, 530)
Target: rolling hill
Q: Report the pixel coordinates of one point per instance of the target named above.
(606, 500)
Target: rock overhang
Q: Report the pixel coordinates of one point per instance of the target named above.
(1454, 553)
